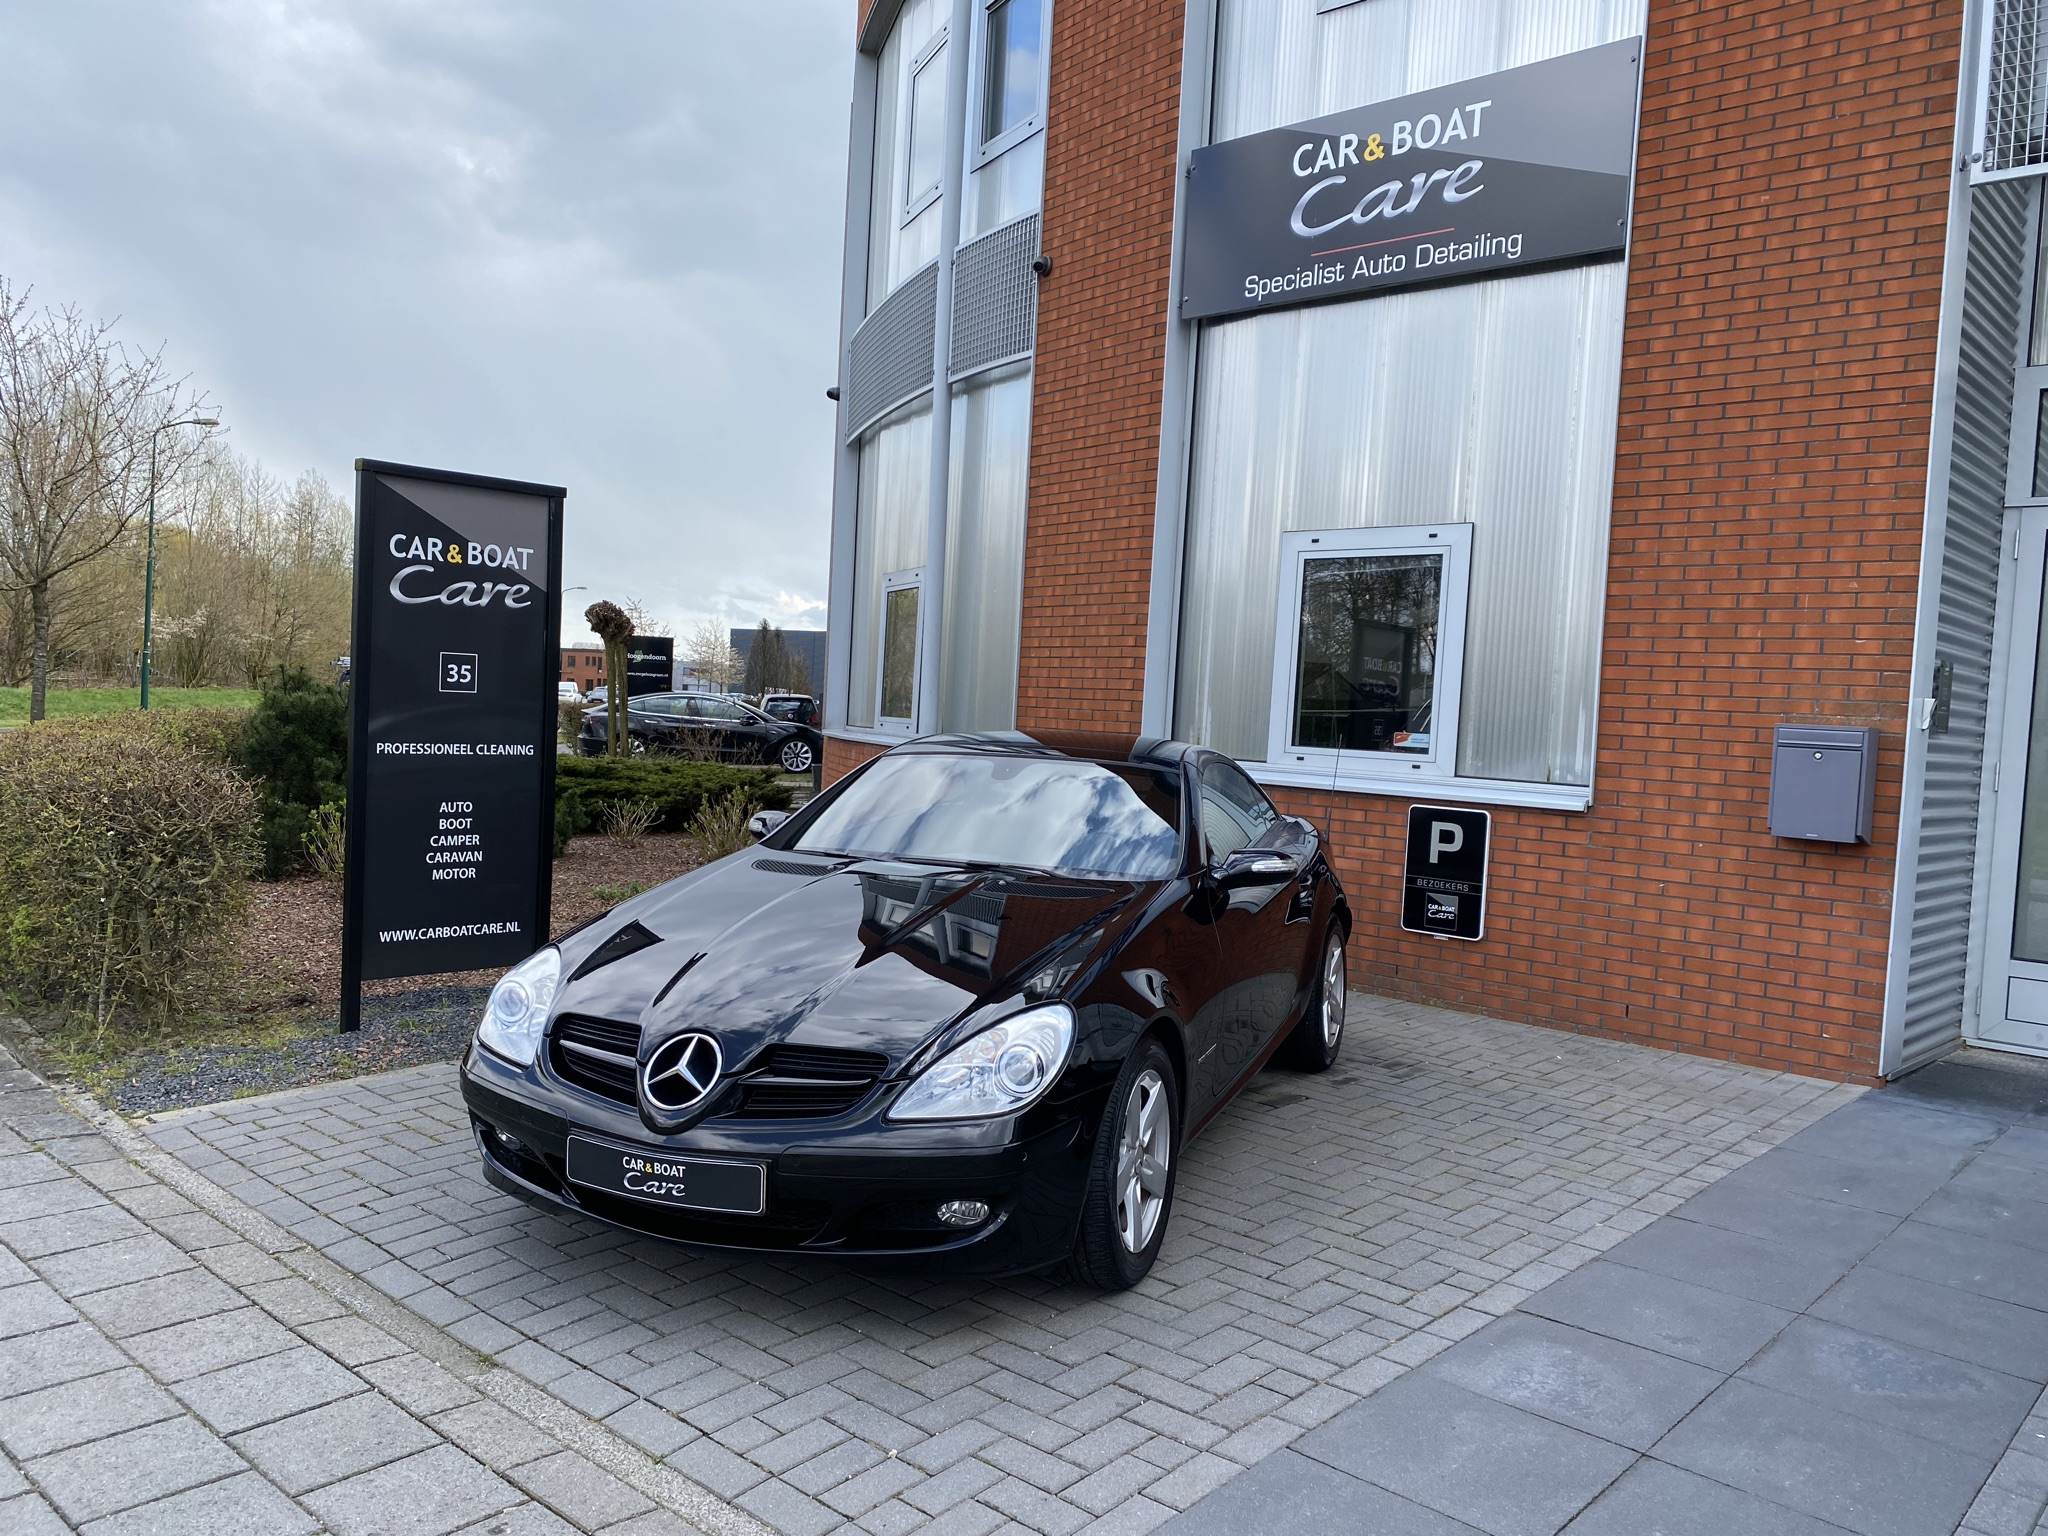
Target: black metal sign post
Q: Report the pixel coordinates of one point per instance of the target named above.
(650, 665)
(452, 721)
(1443, 891)
(1525, 168)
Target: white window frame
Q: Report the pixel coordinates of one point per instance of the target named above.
(917, 199)
(979, 153)
(1353, 768)
(896, 581)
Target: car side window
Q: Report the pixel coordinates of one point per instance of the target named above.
(1235, 812)
(712, 709)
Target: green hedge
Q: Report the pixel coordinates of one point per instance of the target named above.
(585, 786)
(125, 852)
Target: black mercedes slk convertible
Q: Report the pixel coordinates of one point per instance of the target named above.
(961, 1011)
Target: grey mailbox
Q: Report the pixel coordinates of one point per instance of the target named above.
(1823, 783)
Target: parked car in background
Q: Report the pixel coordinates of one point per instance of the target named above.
(798, 707)
(963, 1010)
(567, 692)
(706, 725)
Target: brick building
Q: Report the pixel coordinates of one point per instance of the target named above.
(1467, 493)
(582, 665)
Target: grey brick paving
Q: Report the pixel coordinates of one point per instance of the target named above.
(160, 1374)
(1897, 1391)
(1331, 1234)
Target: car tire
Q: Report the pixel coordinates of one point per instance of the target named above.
(1124, 1213)
(797, 756)
(1312, 1045)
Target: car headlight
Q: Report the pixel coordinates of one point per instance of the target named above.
(999, 1071)
(517, 1015)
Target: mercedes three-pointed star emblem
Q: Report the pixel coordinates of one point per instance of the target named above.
(680, 1072)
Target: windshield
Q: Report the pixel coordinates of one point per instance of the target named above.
(1115, 823)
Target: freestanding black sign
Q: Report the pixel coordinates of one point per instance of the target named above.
(1528, 166)
(1444, 890)
(650, 665)
(452, 724)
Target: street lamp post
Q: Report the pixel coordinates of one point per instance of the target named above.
(149, 559)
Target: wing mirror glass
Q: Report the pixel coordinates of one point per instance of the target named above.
(764, 822)
(1254, 866)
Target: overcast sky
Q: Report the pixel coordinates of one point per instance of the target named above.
(588, 242)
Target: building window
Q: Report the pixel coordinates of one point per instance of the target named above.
(910, 86)
(889, 537)
(1012, 74)
(984, 588)
(1370, 653)
(896, 704)
(925, 145)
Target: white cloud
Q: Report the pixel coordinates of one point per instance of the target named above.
(596, 245)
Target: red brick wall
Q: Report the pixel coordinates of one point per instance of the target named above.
(1778, 364)
(1776, 379)
(1112, 126)
(843, 756)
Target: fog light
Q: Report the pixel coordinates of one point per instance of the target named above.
(964, 1213)
(509, 1142)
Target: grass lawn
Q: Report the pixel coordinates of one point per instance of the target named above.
(105, 701)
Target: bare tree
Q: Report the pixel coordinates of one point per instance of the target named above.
(709, 650)
(254, 576)
(78, 415)
(644, 622)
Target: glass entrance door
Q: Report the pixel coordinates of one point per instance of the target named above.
(2013, 1007)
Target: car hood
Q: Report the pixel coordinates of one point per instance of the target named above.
(763, 949)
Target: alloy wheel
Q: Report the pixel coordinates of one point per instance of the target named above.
(796, 755)
(1143, 1156)
(1333, 993)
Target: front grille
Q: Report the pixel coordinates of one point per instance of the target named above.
(821, 1061)
(805, 1082)
(597, 1055)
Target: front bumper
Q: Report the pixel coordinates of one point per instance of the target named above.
(830, 1191)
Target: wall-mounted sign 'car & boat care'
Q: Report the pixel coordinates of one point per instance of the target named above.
(452, 720)
(1530, 166)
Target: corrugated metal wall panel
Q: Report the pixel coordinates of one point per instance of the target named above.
(2015, 136)
(995, 298)
(890, 360)
(1942, 877)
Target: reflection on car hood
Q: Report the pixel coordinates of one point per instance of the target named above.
(867, 956)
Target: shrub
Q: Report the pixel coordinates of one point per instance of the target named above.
(679, 790)
(212, 734)
(721, 827)
(627, 821)
(327, 841)
(124, 860)
(296, 747)
(571, 817)
(569, 719)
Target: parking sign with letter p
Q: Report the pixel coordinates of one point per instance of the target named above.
(1443, 885)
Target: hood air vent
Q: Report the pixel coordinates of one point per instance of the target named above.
(791, 867)
(629, 940)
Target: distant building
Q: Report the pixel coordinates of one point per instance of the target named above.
(808, 645)
(583, 665)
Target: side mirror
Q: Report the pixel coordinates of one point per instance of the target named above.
(764, 822)
(1255, 866)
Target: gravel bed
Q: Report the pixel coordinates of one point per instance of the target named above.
(401, 1030)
